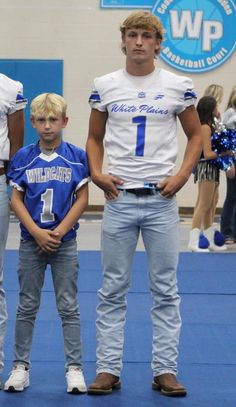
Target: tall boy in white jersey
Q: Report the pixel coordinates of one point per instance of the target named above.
(134, 111)
(12, 105)
(50, 193)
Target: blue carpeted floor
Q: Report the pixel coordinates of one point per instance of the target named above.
(207, 360)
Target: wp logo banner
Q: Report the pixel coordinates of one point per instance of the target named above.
(200, 34)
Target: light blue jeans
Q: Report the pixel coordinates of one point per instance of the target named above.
(4, 224)
(31, 271)
(157, 219)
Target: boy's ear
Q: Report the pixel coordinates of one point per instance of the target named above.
(32, 119)
(65, 121)
(158, 44)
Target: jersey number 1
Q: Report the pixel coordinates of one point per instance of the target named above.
(141, 122)
(47, 215)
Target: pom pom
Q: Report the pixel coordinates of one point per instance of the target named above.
(223, 163)
(232, 133)
(219, 238)
(223, 140)
(203, 242)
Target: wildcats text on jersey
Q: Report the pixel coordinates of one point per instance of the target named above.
(38, 175)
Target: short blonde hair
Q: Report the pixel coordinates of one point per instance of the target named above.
(216, 91)
(144, 20)
(48, 104)
(232, 99)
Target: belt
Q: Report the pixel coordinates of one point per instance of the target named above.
(2, 171)
(142, 191)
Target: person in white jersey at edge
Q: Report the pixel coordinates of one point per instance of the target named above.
(134, 110)
(12, 103)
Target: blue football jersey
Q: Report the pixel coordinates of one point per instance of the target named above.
(49, 183)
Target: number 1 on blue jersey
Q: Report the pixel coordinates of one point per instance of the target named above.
(47, 199)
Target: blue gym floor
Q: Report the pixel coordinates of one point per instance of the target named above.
(207, 360)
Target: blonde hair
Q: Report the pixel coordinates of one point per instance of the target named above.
(144, 20)
(232, 99)
(48, 104)
(216, 91)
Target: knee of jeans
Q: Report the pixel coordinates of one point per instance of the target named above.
(113, 294)
(68, 311)
(28, 309)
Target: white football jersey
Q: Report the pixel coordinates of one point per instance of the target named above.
(11, 100)
(140, 138)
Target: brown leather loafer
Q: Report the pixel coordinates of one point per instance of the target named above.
(104, 384)
(168, 385)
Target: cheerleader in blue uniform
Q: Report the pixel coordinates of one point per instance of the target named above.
(208, 177)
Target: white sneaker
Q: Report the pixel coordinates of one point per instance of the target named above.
(196, 242)
(215, 239)
(18, 380)
(75, 380)
(216, 248)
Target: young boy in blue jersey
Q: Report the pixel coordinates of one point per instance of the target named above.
(50, 193)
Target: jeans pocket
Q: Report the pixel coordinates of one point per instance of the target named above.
(118, 198)
(165, 198)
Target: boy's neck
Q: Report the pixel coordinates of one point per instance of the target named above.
(140, 69)
(49, 146)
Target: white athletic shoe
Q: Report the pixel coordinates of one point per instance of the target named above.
(75, 380)
(196, 240)
(18, 380)
(210, 233)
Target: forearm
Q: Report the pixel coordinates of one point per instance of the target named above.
(191, 125)
(95, 151)
(191, 156)
(24, 216)
(211, 156)
(74, 214)
(171, 185)
(94, 145)
(16, 131)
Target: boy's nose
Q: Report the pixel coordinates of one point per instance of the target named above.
(47, 123)
(139, 40)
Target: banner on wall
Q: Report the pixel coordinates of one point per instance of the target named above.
(200, 34)
(126, 3)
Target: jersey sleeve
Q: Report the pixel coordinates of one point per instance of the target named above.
(20, 101)
(187, 96)
(16, 170)
(83, 169)
(95, 99)
(14, 95)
